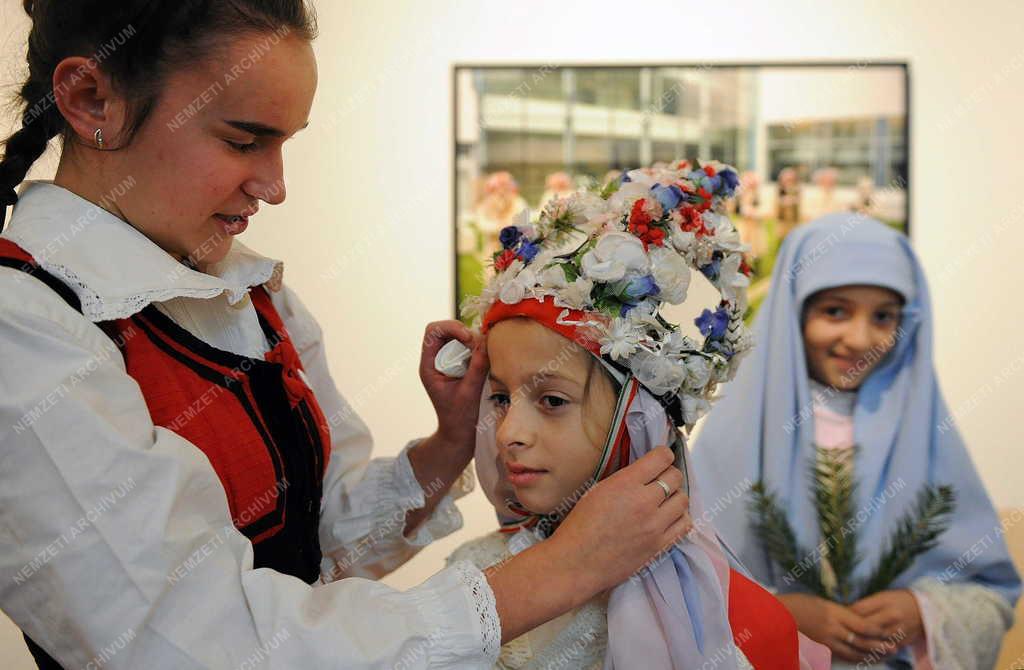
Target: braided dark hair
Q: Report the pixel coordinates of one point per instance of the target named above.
(137, 43)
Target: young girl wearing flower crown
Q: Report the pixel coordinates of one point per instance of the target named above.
(585, 377)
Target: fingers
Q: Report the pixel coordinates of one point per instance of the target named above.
(647, 467)
(674, 510)
(479, 364)
(862, 635)
(862, 626)
(672, 478)
(869, 605)
(678, 530)
(864, 646)
(889, 621)
(439, 333)
(845, 651)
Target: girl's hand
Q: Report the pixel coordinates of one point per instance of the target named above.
(615, 528)
(456, 401)
(896, 612)
(851, 636)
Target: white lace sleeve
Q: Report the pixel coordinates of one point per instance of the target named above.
(964, 623)
(484, 604)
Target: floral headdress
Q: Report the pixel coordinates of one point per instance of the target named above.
(606, 262)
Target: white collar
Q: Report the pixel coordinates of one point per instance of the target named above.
(113, 268)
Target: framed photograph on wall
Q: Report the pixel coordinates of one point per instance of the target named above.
(806, 138)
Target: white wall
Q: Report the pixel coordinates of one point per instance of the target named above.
(366, 232)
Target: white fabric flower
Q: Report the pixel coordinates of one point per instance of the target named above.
(452, 359)
(620, 340)
(671, 274)
(680, 239)
(587, 205)
(622, 199)
(676, 343)
(730, 279)
(553, 277)
(726, 236)
(658, 374)
(615, 256)
(698, 372)
(575, 295)
(694, 408)
(518, 281)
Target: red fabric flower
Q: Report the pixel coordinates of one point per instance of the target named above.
(638, 216)
(640, 225)
(709, 171)
(693, 222)
(504, 259)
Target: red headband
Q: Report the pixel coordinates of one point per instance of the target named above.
(546, 313)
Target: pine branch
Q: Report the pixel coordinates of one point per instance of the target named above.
(776, 535)
(916, 533)
(833, 493)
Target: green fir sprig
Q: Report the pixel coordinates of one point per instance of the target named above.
(917, 532)
(834, 494)
(772, 528)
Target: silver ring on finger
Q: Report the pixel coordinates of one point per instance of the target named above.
(850, 637)
(665, 488)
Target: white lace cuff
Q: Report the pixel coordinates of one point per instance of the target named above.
(964, 623)
(472, 633)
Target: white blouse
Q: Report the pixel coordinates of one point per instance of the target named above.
(117, 548)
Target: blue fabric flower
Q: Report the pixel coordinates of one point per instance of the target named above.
(712, 269)
(641, 287)
(508, 236)
(730, 179)
(528, 250)
(668, 196)
(713, 324)
(719, 347)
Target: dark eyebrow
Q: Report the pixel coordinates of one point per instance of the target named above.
(258, 129)
(837, 298)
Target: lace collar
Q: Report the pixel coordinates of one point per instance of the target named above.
(115, 270)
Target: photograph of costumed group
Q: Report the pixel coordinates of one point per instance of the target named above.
(451, 335)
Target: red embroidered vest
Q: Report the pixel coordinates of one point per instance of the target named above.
(255, 419)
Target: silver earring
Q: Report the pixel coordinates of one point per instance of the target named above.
(98, 136)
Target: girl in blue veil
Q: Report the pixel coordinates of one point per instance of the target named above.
(842, 383)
